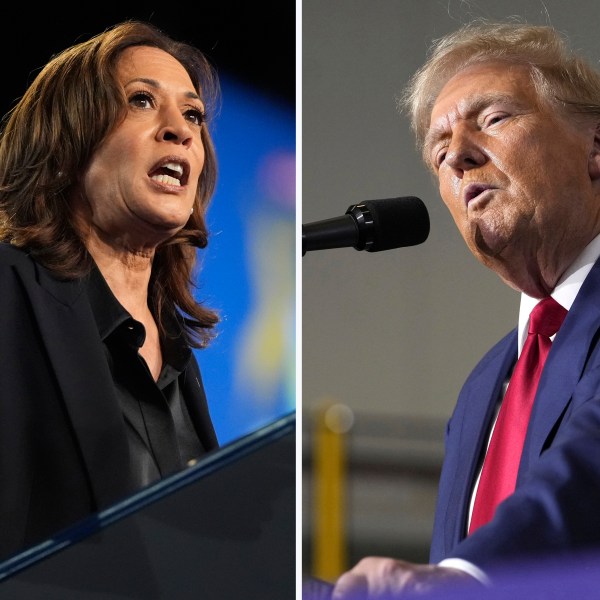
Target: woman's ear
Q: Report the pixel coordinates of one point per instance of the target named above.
(594, 157)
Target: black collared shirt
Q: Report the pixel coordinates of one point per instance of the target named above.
(162, 438)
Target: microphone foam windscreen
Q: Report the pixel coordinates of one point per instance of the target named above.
(398, 222)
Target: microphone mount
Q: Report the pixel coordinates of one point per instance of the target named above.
(365, 225)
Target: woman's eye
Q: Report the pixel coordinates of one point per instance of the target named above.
(195, 116)
(141, 100)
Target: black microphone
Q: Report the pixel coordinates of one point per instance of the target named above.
(373, 226)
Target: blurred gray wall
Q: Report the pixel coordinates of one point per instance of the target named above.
(392, 335)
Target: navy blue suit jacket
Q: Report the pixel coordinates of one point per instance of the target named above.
(556, 504)
(63, 445)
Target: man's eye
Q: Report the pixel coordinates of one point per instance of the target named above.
(495, 118)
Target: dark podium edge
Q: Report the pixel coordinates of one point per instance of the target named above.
(219, 459)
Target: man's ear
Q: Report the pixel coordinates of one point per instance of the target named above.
(594, 157)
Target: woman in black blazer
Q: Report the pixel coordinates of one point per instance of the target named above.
(106, 170)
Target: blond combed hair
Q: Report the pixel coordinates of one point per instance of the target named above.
(559, 75)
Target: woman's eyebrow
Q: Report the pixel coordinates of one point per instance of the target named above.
(156, 84)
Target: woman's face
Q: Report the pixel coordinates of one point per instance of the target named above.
(140, 186)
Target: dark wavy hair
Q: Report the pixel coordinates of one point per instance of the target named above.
(50, 135)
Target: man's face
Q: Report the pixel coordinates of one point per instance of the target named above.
(517, 177)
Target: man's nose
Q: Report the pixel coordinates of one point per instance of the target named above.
(464, 153)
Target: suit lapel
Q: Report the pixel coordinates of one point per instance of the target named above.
(564, 365)
(71, 338)
(475, 410)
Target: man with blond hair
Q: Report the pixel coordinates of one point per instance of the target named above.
(507, 118)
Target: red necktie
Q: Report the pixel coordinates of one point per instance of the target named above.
(501, 464)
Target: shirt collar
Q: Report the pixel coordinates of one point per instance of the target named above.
(566, 289)
(110, 314)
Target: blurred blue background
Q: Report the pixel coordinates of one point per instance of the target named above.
(248, 268)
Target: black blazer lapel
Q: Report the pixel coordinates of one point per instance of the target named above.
(69, 332)
(193, 392)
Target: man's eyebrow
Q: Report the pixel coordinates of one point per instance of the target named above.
(470, 107)
(156, 84)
